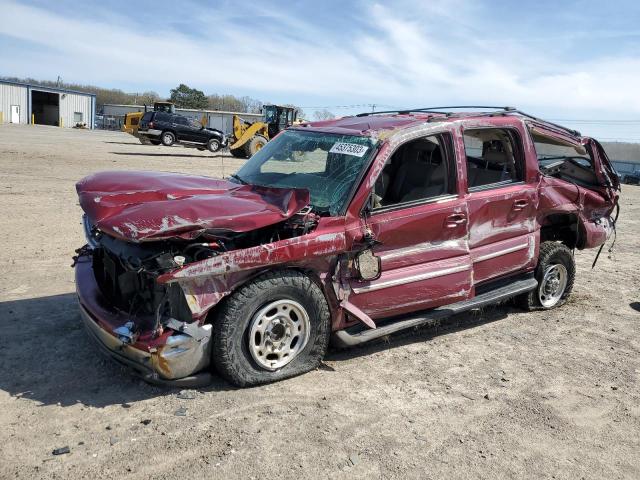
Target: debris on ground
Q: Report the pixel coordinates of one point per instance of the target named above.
(61, 451)
(186, 395)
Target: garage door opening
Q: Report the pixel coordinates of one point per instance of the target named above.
(45, 107)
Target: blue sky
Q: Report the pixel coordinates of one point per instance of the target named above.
(578, 62)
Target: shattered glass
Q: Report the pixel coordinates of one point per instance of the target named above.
(327, 165)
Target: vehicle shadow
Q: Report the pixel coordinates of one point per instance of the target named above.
(446, 326)
(47, 356)
(124, 143)
(163, 154)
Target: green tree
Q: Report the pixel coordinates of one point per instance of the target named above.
(187, 97)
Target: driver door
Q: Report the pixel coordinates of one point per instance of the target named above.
(420, 224)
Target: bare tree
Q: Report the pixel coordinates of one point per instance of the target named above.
(323, 115)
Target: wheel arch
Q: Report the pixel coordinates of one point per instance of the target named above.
(312, 274)
(562, 227)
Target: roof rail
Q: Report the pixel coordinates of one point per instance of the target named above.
(546, 122)
(441, 110)
(499, 110)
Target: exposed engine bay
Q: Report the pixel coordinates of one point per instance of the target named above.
(127, 272)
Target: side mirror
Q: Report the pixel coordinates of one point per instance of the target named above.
(368, 265)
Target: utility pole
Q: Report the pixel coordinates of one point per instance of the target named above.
(58, 81)
(373, 107)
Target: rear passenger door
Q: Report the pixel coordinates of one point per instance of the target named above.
(182, 128)
(419, 221)
(501, 202)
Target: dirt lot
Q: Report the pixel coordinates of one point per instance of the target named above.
(494, 394)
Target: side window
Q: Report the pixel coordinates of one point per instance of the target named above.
(493, 158)
(563, 159)
(418, 170)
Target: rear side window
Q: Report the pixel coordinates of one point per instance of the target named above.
(564, 159)
(493, 158)
(147, 117)
(550, 149)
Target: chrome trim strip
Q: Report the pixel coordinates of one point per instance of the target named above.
(499, 253)
(411, 279)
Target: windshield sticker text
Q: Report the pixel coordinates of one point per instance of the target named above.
(349, 149)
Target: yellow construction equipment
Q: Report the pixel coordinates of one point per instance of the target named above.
(248, 138)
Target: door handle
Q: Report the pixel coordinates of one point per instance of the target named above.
(520, 204)
(455, 220)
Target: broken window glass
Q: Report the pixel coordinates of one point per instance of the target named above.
(326, 164)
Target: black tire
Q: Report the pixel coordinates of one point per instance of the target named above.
(551, 253)
(238, 152)
(155, 141)
(230, 350)
(213, 145)
(168, 138)
(254, 145)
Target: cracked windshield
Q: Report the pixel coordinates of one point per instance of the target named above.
(327, 165)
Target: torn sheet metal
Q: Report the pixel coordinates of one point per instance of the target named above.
(145, 206)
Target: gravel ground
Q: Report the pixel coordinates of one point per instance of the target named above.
(496, 394)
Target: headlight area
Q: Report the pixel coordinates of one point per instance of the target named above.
(138, 322)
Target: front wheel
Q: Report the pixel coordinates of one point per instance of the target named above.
(168, 139)
(555, 274)
(275, 327)
(213, 145)
(254, 145)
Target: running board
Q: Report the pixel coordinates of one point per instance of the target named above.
(344, 339)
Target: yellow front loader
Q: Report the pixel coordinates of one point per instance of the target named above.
(248, 138)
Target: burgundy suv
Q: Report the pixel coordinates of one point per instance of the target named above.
(347, 229)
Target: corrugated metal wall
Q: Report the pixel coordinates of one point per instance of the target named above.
(71, 103)
(13, 95)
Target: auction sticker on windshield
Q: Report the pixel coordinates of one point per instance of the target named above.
(349, 149)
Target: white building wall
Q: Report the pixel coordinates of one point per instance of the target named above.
(13, 95)
(71, 103)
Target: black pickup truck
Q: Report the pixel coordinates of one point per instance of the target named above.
(170, 128)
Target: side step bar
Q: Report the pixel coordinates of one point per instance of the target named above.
(343, 339)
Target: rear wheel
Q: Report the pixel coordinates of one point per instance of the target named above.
(275, 327)
(168, 138)
(144, 140)
(213, 145)
(555, 274)
(155, 141)
(254, 145)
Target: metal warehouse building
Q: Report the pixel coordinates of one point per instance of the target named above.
(26, 103)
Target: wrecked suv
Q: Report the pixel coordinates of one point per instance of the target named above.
(347, 229)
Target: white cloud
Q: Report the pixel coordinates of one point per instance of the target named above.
(403, 56)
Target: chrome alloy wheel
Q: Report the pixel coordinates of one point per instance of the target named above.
(553, 285)
(278, 332)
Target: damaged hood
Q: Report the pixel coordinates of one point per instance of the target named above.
(145, 206)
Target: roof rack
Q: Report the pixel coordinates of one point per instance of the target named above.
(438, 110)
(494, 110)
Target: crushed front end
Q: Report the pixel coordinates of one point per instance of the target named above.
(140, 323)
(143, 227)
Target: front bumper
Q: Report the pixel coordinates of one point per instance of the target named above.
(173, 359)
